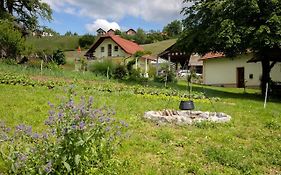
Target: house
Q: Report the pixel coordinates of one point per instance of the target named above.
(175, 56)
(195, 63)
(100, 32)
(112, 46)
(131, 32)
(219, 70)
(110, 32)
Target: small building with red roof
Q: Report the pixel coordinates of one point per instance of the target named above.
(112, 46)
(110, 32)
(131, 32)
(220, 70)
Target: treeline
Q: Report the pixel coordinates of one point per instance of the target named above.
(171, 30)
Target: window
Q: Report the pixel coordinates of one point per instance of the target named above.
(116, 48)
(102, 49)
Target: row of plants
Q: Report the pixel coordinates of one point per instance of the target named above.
(13, 79)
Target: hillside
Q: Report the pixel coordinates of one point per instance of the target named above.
(158, 47)
(66, 43)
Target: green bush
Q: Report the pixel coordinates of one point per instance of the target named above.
(135, 75)
(120, 72)
(167, 76)
(59, 57)
(86, 40)
(12, 44)
(77, 140)
(103, 67)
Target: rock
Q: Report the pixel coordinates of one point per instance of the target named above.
(185, 117)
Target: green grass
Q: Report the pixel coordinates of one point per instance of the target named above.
(158, 47)
(249, 144)
(65, 43)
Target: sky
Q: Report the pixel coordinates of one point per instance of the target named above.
(86, 16)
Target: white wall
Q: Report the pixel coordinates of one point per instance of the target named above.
(99, 54)
(223, 71)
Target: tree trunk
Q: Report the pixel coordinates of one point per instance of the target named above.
(1, 6)
(265, 74)
(10, 5)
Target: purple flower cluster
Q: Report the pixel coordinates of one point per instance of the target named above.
(71, 130)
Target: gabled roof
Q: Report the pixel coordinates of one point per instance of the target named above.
(128, 46)
(212, 55)
(132, 30)
(100, 30)
(110, 30)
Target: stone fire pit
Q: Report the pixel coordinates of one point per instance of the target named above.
(185, 117)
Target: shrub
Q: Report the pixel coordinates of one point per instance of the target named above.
(86, 40)
(130, 65)
(103, 67)
(78, 140)
(120, 72)
(12, 44)
(59, 57)
(166, 76)
(135, 75)
(152, 71)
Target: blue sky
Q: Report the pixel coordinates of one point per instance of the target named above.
(86, 16)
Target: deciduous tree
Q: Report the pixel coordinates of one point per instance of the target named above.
(25, 13)
(11, 42)
(173, 29)
(234, 27)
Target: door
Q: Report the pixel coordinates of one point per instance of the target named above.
(109, 50)
(240, 77)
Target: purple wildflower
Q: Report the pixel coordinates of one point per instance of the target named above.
(71, 103)
(107, 129)
(60, 115)
(82, 125)
(44, 135)
(28, 130)
(77, 117)
(51, 112)
(73, 127)
(50, 104)
(65, 130)
(118, 133)
(53, 131)
(83, 111)
(23, 157)
(36, 136)
(48, 167)
(8, 130)
(108, 120)
(101, 119)
(90, 102)
(20, 127)
(123, 123)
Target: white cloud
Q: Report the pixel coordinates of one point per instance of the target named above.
(102, 23)
(149, 10)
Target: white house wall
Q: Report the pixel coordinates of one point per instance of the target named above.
(223, 71)
(105, 43)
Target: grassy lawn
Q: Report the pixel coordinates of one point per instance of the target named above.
(249, 144)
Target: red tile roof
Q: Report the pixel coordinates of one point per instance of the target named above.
(128, 46)
(211, 55)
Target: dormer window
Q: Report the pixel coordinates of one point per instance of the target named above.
(116, 48)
